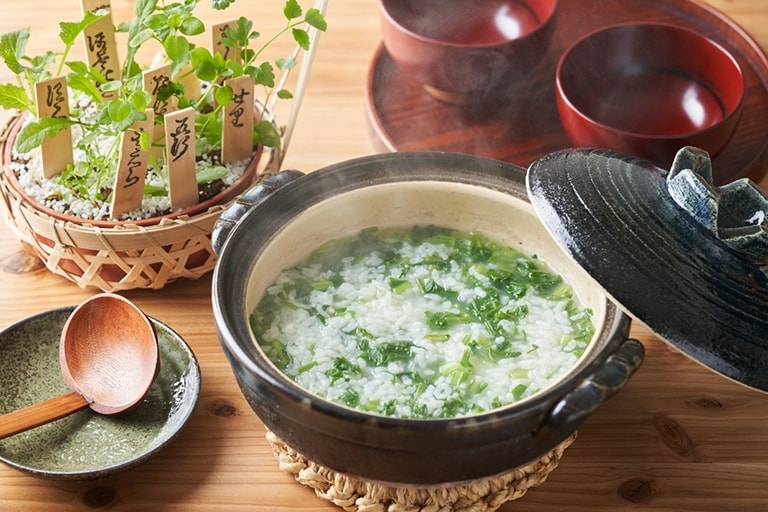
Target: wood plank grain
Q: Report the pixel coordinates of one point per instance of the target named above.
(677, 438)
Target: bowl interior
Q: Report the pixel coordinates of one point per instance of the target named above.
(466, 207)
(650, 79)
(458, 22)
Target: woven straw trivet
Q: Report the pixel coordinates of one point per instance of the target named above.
(354, 495)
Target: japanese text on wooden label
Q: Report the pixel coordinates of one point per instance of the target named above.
(155, 80)
(180, 132)
(218, 34)
(181, 159)
(100, 45)
(132, 168)
(52, 100)
(237, 129)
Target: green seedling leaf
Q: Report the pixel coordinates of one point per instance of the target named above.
(177, 49)
(86, 72)
(192, 26)
(119, 110)
(238, 36)
(111, 86)
(40, 65)
(267, 133)
(264, 74)
(140, 37)
(13, 97)
(81, 83)
(144, 141)
(13, 45)
(224, 95)
(234, 68)
(209, 174)
(301, 37)
(154, 190)
(286, 63)
(157, 21)
(315, 18)
(33, 133)
(292, 10)
(144, 8)
(248, 54)
(81, 68)
(69, 31)
(220, 5)
(124, 116)
(139, 100)
(203, 64)
(284, 94)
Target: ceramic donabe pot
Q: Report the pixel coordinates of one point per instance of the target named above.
(278, 223)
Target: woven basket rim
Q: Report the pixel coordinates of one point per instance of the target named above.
(263, 159)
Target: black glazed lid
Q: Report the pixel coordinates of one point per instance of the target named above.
(668, 267)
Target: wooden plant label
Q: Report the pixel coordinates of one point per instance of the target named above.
(237, 129)
(154, 80)
(180, 145)
(132, 168)
(100, 46)
(52, 101)
(218, 31)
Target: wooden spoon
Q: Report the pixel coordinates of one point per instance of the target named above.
(109, 358)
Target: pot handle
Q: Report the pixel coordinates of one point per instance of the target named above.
(246, 202)
(574, 408)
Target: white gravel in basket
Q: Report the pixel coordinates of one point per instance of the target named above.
(56, 196)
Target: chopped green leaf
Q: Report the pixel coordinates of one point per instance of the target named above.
(399, 285)
(342, 369)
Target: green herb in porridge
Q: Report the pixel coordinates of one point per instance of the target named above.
(425, 322)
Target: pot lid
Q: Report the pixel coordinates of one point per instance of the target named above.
(687, 259)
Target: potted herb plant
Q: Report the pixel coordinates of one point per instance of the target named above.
(114, 172)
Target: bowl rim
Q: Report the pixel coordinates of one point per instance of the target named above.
(727, 117)
(450, 44)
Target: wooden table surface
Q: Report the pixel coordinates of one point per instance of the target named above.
(676, 438)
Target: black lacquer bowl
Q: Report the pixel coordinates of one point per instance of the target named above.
(617, 219)
(278, 223)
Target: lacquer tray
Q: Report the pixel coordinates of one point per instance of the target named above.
(523, 125)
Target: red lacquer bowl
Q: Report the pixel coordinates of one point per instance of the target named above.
(648, 90)
(466, 51)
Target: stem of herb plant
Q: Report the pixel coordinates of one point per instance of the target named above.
(208, 91)
(29, 89)
(63, 59)
(274, 38)
(109, 155)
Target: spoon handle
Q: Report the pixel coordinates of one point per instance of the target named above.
(40, 413)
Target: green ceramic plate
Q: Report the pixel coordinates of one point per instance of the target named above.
(87, 445)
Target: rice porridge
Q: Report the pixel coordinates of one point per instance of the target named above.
(422, 322)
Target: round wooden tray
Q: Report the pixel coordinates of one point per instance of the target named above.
(522, 124)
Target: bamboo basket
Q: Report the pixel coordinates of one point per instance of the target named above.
(128, 255)
(122, 256)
